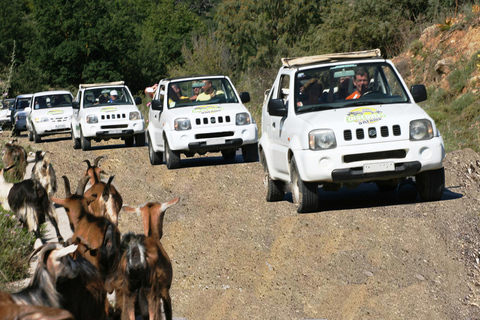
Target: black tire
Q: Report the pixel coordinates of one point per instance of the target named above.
(36, 137)
(15, 132)
(129, 141)
(388, 185)
(250, 152)
(274, 189)
(140, 139)
(155, 157)
(84, 142)
(76, 142)
(229, 154)
(172, 158)
(431, 184)
(30, 136)
(305, 194)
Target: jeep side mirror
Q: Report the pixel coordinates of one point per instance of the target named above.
(28, 110)
(245, 97)
(75, 105)
(138, 100)
(276, 107)
(419, 92)
(157, 105)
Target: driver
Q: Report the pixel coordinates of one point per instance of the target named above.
(209, 91)
(360, 81)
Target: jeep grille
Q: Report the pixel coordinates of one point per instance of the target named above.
(371, 133)
(112, 116)
(59, 119)
(212, 120)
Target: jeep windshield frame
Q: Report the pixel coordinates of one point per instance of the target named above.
(54, 100)
(333, 86)
(188, 93)
(101, 96)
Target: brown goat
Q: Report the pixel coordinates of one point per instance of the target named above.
(110, 204)
(15, 155)
(101, 236)
(145, 272)
(11, 311)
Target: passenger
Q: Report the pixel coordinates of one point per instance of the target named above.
(150, 91)
(361, 81)
(113, 96)
(101, 99)
(175, 94)
(209, 91)
(314, 89)
(342, 88)
(197, 89)
(40, 103)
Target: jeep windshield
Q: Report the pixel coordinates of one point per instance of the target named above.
(200, 92)
(52, 101)
(347, 85)
(106, 96)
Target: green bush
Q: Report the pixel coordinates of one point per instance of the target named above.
(17, 245)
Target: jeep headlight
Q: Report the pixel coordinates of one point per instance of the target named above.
(134, 115)
(91, 118)
(182, 124)
(322, 139)
(242, 119)
(37, 120)
(421, 130)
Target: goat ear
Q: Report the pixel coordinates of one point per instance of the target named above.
(131, 209)
(168, 204)
(58, 201)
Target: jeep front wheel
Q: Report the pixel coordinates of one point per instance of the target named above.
(431, 184)
(36, 137)
(140, 139)
(172, 158)
(305, 194)
(30, 136)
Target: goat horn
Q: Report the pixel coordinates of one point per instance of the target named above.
(8, 168)
(88, 163)
(97, 159)
(81, 185)
(68, 193)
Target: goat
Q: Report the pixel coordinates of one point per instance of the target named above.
(30, 202)
(4, 189)
(44, 173)
(145, 272)
(102, 237)
(110, 204)
(15, 155)
(11, 311)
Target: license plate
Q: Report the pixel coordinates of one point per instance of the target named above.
(215, 141)
(115, 131)
(60, 126)
(378, 167)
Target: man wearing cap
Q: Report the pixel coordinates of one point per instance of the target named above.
(113, 96)
(197, 89)
(209, 91)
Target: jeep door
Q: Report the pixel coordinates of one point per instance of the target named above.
(275, 127)
(155, 118)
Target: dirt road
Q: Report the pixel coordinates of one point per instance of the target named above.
(366, 255)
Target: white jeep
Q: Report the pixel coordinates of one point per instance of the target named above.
(342, 120)
(49, 113)
(200, 114)
(104, 111)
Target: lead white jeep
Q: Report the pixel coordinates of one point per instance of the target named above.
(185, 120)
(317, 132)
(104, 111)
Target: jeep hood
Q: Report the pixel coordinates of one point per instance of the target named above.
(212, 109)
(362, 116)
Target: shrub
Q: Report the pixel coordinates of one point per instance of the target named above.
(17, 244)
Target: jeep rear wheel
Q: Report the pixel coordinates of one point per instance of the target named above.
(84, 142)
(172, 158)
(155, 157)
(229, 154)
(274, 189)
(431, 184)
(305, 194)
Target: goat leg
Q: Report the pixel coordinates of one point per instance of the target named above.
(53, 217)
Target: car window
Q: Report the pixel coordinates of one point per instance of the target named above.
(52, 101)
(330, 87)
(200, 92)
(106, 97)
(22, 103)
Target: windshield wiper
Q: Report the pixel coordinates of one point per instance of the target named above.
(360, 103)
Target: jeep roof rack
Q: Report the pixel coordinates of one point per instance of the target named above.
(301, 61)
(104, 84)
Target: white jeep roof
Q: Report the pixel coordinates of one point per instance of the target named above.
(301, 61)
(104, 84)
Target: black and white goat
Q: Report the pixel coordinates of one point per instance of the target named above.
(14, 155)
(44, 173)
